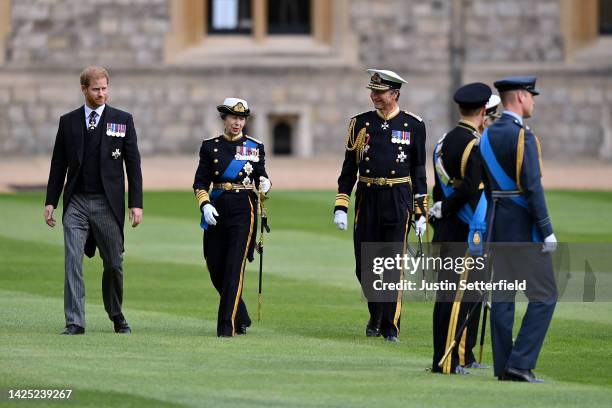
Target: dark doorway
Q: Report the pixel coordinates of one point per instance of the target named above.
(282, 135)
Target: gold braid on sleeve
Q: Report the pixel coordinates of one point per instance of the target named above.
(201, 196)
(355, 143)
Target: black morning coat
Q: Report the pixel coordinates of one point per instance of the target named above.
(68, 158)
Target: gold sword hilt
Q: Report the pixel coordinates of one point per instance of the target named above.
(447, 354)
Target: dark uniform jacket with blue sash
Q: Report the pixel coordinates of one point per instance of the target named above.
(217, 154)
(512, 164)
(382, 149)
(461, 161)
(221, 165)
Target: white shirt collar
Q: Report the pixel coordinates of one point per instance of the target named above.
(514, 115)
(98, 110)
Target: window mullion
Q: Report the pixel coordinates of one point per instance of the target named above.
(260, 20)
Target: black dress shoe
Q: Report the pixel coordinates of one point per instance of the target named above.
(392, 339)
(121, 325)
(372, 332)
(516, 374)
(73, 329)
(242, 329)
(373, 329)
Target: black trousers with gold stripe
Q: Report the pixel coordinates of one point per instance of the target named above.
(451, 310)
(226, 249)
(382, 214)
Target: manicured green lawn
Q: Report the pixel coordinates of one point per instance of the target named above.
(309, 350)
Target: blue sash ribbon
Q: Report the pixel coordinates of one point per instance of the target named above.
(475, 219)
(230, 174)
(504, 182)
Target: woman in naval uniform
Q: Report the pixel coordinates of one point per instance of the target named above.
(234, 165)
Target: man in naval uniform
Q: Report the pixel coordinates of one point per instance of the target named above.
(385, 155)
(457, 193)
(513, 169)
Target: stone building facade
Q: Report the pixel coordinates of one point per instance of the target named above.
(170, 68)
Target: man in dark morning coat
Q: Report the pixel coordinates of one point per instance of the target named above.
(92, 144)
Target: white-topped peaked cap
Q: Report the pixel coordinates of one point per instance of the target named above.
(493, 101)
(383, 80)
(234, 106)
(492, 104)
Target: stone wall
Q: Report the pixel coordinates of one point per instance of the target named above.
(572, 113)
(405, 35)
(513, 31)
(174, 106)
(68, 33)
(174, 112)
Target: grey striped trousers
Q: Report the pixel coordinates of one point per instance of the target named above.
(85, 213)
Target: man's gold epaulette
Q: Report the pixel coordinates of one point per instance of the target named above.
(414, 115)
(253, 139)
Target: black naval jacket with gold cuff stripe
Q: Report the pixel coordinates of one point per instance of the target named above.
(384, 149)
(462, 163)
(216, 154)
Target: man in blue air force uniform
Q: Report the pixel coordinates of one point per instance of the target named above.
(512, 161)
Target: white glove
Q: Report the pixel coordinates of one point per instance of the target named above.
(420, 226)
(264, 184)
(436, 210)
(340, 219)
(550, 243)
(209, 214)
